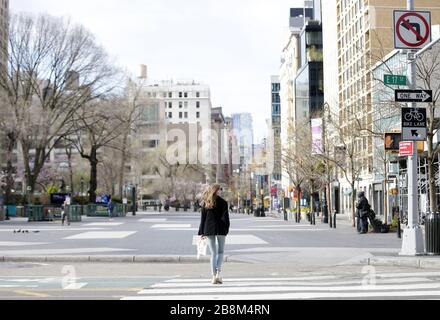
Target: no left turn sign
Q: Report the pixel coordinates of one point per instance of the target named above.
(412, 29)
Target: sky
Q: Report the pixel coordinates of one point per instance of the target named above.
(234, 46)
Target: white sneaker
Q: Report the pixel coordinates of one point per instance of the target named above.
(218, 278)
(214, 280)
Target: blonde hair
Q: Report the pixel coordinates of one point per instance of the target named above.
(209, 197)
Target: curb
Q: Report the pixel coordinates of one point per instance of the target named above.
(409, 262)
(117, 259)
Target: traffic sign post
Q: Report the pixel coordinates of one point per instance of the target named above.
(406, 149)
(413, 96)
(395, 80)
(414, 124)
(412, 29)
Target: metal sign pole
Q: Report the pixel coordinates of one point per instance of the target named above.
(412, 243)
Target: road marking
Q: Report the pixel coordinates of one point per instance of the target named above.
(102, 235)
(22, 244)
(290, 296)
(75, 286)
(286, 283)
(31, 293)
(226, 289)
(152, 220)
(314, 287)
(105, 224)
(237, 239)
(60, 251)
(47, 229)
(160, 226)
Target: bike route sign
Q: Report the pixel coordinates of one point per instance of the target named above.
(414, 124)
(412, 29)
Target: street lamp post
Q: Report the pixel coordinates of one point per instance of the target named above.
(133, 198)
(82, 186)
(29, 189)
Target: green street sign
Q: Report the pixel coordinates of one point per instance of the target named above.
(395, 80)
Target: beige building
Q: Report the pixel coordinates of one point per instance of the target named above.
(364, 35)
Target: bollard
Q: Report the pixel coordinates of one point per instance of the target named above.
(334, 219)
(432, 234)
(285, 215)
(399, 231)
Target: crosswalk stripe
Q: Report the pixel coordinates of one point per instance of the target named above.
(391, 285)
(284, 283)
(225, 289)
(257, 279)
(291, 296)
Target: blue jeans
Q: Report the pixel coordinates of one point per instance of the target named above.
(217, 252)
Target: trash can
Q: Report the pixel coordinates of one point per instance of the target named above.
(432, 234)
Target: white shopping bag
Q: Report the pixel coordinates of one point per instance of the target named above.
(202, 247)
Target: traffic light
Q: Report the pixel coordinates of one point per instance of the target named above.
(392, 141)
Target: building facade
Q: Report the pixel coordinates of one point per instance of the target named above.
(242, 125)
(290, 64)
(174, 112)
(274, 174)
(364, 35)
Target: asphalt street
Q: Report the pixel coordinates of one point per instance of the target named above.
(267, 259)
(174, 234)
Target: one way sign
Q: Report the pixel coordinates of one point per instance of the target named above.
(413, 95)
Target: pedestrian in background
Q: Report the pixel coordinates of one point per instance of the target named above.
(214, 225)
(64, 213)
(111, 207)
(362, 213)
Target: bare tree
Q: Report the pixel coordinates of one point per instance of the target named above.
(132, 105)
(303, 167)
(97, 125)
(54, 68)
(348, 141)
(428, 78)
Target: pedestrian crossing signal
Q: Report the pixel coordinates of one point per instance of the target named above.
(392, 141)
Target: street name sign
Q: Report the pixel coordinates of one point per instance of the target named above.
(406, 149)
(414, 124)
(412, 29)
(395, 80)
(413, 95)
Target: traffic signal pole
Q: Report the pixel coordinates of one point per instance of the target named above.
(413, 243)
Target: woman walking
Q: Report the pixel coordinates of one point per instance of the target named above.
(214, 225)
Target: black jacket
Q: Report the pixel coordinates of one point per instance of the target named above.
(215, 222)
(363, 208)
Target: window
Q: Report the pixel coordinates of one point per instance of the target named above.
(180, 115)
(170, 105)
(197, 94)
(198, 104)
(170, 115)
(186, 104)
(150, 144)
(186, 95)
(198, 115)
(170, 94)
(186, 115)
(180, 105)
(180, 94)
